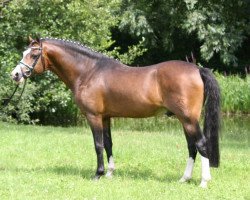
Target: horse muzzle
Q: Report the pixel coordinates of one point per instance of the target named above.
(17, 74)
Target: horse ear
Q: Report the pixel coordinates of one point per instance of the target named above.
(37, 38)
(30, 39)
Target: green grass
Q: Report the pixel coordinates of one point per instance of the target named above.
(58, 163)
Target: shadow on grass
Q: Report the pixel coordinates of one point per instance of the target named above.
(70, 170)
(146, 174)
(58, 170)
(132, 173)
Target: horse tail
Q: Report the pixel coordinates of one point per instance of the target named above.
(212, 115)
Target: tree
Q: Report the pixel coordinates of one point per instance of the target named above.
(214, 30)
(222, 26)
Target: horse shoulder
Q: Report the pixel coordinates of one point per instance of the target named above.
(89, 96)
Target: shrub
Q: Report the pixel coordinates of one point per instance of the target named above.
(235, 93)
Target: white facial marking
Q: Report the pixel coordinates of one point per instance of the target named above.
(17, 72)
(205, 172)
(25, 53)
(188, 171)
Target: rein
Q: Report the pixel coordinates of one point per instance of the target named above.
(6, 101)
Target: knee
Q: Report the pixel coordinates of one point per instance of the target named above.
(99, 148)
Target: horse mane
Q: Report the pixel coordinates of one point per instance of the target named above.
(71, 45)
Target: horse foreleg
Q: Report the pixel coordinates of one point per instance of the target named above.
(108, 146)
(192, 155)
(96, 125)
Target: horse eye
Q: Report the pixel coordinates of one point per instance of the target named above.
(34, 56)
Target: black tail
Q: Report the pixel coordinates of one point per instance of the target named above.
(212, 115)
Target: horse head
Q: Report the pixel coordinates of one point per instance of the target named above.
(32, 61)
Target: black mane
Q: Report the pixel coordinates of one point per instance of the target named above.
(77, 47)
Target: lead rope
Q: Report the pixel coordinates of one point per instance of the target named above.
(7, 100)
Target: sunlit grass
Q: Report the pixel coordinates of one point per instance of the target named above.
(58, 163)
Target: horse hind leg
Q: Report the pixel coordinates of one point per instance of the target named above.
(195, 138)
(191, 160)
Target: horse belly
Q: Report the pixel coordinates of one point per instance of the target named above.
(132, 109)
(133, 94)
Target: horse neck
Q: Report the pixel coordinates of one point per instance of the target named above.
(67, 65)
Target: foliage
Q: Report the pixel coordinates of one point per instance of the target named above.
(157, 21)
(209, 28)
(220, 25)
(235, 93)
(20, 106)
(132, 53)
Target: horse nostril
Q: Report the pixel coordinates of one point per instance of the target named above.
(16, 74)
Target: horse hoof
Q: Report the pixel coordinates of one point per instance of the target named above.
(203, 184)
(96, 178)
(184, 179)
(109, 174)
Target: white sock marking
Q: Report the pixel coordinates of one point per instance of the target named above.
(111, 167)
(188, 171)
(205, 172)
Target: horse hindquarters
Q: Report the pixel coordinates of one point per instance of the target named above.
(183, 94)
(205, 142)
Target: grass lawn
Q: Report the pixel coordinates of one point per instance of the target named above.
(39, 162)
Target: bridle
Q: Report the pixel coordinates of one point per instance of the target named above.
(30, 68)
(26, 74)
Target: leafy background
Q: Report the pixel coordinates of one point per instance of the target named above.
(138, 33)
